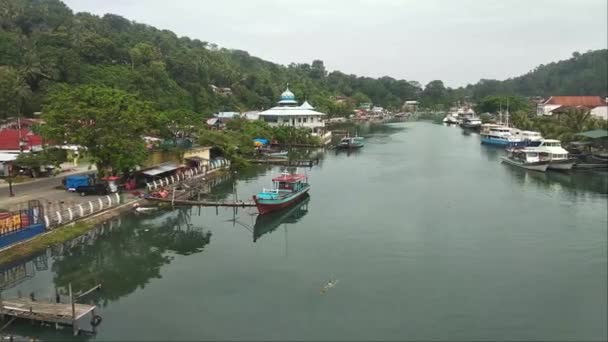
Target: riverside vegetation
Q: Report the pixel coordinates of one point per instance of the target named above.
(127, 79)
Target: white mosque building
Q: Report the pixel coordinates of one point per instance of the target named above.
(289, 113)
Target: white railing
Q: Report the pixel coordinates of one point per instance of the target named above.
(187, 174)
(56, 218)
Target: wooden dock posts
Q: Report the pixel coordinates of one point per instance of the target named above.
(48, 312)
(286, 162)
(236, 204)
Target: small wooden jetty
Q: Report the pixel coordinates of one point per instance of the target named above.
(49, 312)
(286, 162)
(202, 203)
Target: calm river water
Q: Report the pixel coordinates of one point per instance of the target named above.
(429, 236)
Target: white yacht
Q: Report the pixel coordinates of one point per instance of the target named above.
(558, 156)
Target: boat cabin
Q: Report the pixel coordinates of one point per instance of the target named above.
(528, 155)
(285, 185)
(551, 147)
(289, 182)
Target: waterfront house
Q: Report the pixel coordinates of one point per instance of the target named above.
(554, 104)
(411, 106)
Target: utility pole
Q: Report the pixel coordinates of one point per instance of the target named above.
(10, 182)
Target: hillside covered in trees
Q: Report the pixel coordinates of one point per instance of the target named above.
(582, 74)
(44, 45)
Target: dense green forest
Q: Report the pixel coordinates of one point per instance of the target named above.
(582, 74)
(44, 45)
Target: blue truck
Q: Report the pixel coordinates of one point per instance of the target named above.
(73, 182)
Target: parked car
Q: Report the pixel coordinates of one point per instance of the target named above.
(93, 189)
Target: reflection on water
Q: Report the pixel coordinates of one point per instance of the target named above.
(573, 182)
(348, 151)
(134, 253)
(426, 235)
(268, 223)
(492, 153)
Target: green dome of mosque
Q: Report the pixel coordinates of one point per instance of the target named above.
(287, 95)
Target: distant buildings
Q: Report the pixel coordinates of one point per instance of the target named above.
(221, 91)
(365, 106)
(410, 106)
(597, 106)
(343, 99)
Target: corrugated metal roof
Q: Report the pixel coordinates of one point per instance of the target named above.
(161, 168)
(9, 139)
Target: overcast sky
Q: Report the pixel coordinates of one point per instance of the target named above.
(457, 41)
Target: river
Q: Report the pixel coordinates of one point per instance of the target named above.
(428, 235)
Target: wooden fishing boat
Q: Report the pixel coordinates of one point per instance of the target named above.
(526, 158)
(287, 190)
(268, 223)
(349, 142)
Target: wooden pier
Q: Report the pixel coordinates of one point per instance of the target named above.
(202, 203)
(46, 311)
(286, 162)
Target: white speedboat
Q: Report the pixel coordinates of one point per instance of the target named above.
(558, 156)
(527, 158)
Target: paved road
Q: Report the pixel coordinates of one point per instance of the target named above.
(44, 189)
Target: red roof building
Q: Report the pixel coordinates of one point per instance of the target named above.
(9, 140)
(576, 101)
(555, 102)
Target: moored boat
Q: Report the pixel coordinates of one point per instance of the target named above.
(276, 154)
(287, 190)
(268, 223)
(499, 135)
(471, 123)
(558, 156)
(351, 142)
(527, 158)
(451, 118)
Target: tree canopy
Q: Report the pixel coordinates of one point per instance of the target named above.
(108, 122)
(43, 44)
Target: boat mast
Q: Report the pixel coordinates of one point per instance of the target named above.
(500, 111)
(507, 112)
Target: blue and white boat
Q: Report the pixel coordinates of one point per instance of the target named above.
(499, 135)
